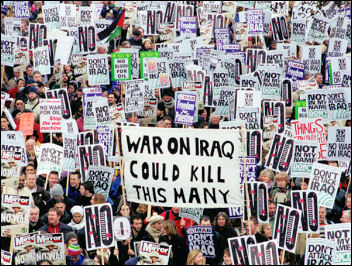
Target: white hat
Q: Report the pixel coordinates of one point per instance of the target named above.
(76, 209)
(155, 218)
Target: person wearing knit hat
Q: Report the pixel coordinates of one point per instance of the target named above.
(74, 254)
(56, 191)
(71, 238)
(77, 221)
(154, 228)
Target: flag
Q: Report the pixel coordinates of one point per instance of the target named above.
(115, 27)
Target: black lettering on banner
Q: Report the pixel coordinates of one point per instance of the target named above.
(239, 249)
(86, 38)
(307, 202)
(201, 237)
(264, 254)
(281, 153)
(208, 91)
(258, 201)
(254, 57)
(238, 71)
(37, 35)
(286, 227)
(154, 20)
(169, 12)
(90, 155)
(51, 43)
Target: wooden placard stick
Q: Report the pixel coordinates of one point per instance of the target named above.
(245, 175)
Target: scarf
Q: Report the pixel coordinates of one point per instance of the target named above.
(154, 233)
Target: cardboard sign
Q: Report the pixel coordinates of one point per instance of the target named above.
(179, 163)
(37, 35)
(41, 60)
(89, 96)
(339, 71)
(101, 177)
(271, 84)
(143, 55)
(70, 151)
(98, 226)
(254, 57)
(295, 70)
(85, 138)
(146, 248)
(122, 228)
(319, 251)
(85, 15)
(281, 153)
(149, 113)
(280, 29)
(298, 31)
(65, 103)
(307, 202)
(14, 214)
(50, 247)
(64, 48)
(338, 104)
(192, 213)
(22, 9)
(98, 70)
(158, 73)
(50, 115)
(27, 124)
(311, 58)
(339, 143)
(324, 180)
(275, 57)
(258, 201)
(134, 96)
(185, 107)
(265, 253)
(90, 155)
(188, 26)
(67, 15)
(51, 17)
(286, 227)
(222, 37)
(248, 98)
(22, 255)
(101, 112)
(87, 40)
(121, 66)
(223, 103)
(255, 19)
(239, 249)
(177, 72)
(201, 237)
(341, 235)
(117, 112)
(8, 45)
(13, 146)
(311, 130)
(50, 159)
(103, 138)
(317, 104)
(250, 116)
(305, 154)
(318, 29)
(6, 258)
(220, 79)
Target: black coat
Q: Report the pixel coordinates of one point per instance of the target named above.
(63, 228)
(179, 249)
(226, 232)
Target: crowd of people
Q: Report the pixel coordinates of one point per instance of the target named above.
(56, 207)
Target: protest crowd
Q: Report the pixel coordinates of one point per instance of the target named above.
(175, 132)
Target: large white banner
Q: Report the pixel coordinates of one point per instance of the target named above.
(181, 168)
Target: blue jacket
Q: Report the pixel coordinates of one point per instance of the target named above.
(73, 193)
(63, 228)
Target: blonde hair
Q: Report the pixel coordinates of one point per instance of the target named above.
(170, 227)
(192, 255)
(282, 176)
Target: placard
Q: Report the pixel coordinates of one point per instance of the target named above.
(8, 45)
(121, 66)
(87, 42)
(98, 226)
(101, 112)
(280, 30)
(24, 249)
(188, 26)
(339, 143)
(67, 15)
(239, 249)
(50, 115)
(13, 146)
(146, 248)
(324, 180)
(318, 30)
(201, 237)
(134, 96)
(265, 253)
(90, 155)
(50, 159)
(305, 154)
(41, 60)
(185, 105)
(177, 72)
(51, 17)
(90, 95)
(295, 70)
(21, 9)
(70, 151)
(225, 95)
(319, 251)
(338, 104)
(50, 247)
(191, 213)
(214, 188)
(222, 37)
(101, 177)
(27, 123)
(307, 202)
(122, 228)
(142, 56)
(311, 58)
(98, 70)
(255, 20)
(341, 235)
(258, 201)
(286, 227)
(6, 258)
(317, 106)
(298, 31)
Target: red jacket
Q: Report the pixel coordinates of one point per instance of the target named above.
(35, 128)
(169, 215)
